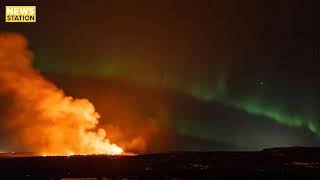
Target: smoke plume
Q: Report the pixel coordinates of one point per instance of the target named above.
(41, 118)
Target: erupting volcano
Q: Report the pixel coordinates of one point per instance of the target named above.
(42, 119)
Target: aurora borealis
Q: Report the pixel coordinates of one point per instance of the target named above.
(226, 72)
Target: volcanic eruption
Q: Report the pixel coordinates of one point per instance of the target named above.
(41, 118)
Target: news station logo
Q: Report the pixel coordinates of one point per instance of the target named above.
(21, 14)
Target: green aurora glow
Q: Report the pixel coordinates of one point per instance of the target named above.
(251, 100)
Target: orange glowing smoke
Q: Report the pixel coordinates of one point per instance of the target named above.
(43, 119)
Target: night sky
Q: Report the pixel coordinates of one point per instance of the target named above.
(211, 74)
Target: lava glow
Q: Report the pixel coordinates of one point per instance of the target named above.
(43, 120)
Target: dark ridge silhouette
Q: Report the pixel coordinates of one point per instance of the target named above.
(273, 163)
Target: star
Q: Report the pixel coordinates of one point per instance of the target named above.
(261, 83)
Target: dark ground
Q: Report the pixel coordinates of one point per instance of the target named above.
(284, 163)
